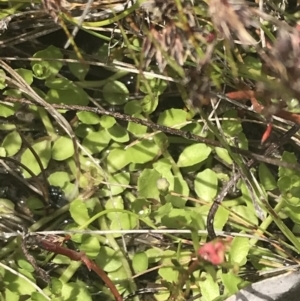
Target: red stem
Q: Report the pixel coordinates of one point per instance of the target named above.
(81, 256)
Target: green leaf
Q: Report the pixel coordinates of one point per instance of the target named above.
(59, 178)
(6, 110)
(209, 288)
(59, 83)
(173, 117)
(108, 259)
(149, 104)
(107, 121)
(120, 275)
(83, 130)
(136, 129)
(168, 274)
(162, 211)
(222, 153)
(147, 184)
(2, 152)
(34, 204)
(239, 250)
(89, 117)
(221, 218)
(56, 286)
(245, 213)
(11, 295)
(12, 143)
(114, 203)
(292, 197)
(266, 177)
(24, 264)
(157, 85)
(232, 127)
(118, 133)
(62, 148)
(176, 219)
(6, 205)
(61, 259)
(95, 142)
(206, 184)
(154, 254)
(140, 262)
(124, 221)
(133, 107)
(17, 284)
(74, 96)
(26, 75)
(143, 152)
(231, 282)
(181, 187)
(43, 150)
(90, 246)
(44, 69)
(116, 160)
(79, 212)
(193, 154)
(163, 166)
(35, 296)
(118, 183)
(75, 291)
(285, 183)
(290, 158)
(115, 93)
(78, 69)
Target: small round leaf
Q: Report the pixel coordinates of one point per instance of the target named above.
(43, 150)
(88, 117)
(12, 143)
(108, 259)
(193, 154)
(140, 262)
(115, 93)
(206, 184)
(62, 149)
(79, 212)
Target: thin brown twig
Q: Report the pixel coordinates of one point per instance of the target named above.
(172, 131)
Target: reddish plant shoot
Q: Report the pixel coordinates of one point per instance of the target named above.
(267, 133)
(214, 251)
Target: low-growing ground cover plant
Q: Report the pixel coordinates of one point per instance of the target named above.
(149, 149)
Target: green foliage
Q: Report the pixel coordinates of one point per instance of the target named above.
(206, 184)
(147, 184)
(108, 259)
(62, 149)
(12, 143)
(194, 154)
(79, 212)
(124, 175)
(172, 117)
(140, 262)
(43, 151)
(44, 69)
(115, 93)
(142, 152)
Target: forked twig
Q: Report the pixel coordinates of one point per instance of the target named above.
(172, 131)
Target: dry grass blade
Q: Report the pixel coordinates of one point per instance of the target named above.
(232, 17)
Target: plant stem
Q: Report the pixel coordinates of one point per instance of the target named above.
(112, 242)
